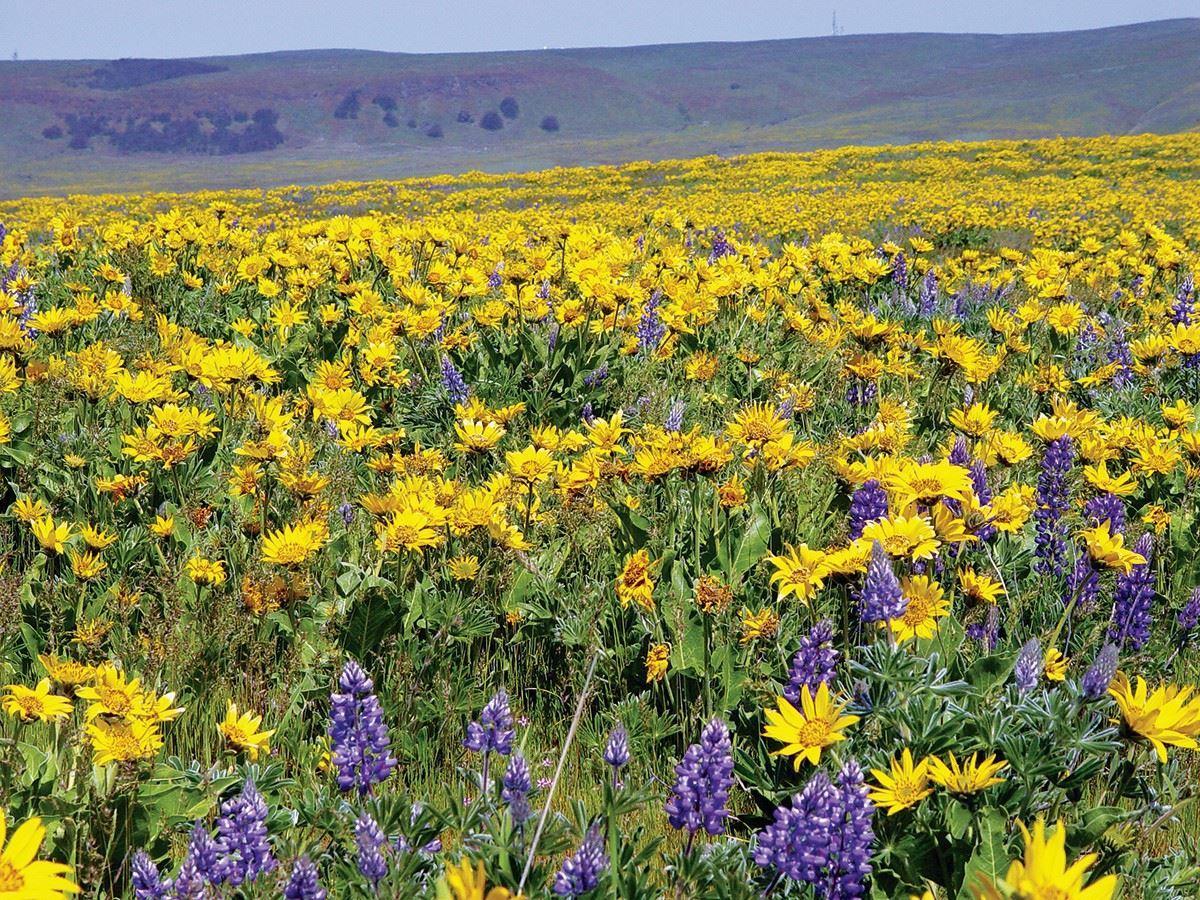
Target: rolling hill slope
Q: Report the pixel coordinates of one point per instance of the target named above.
(322, 115)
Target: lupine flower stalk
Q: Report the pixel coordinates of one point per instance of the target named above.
(1133, 600)
(581, 870)
(881, 598)
(814, 663)
(358, 735)
(243, 848)
(869, 504)
(702, 781)
(1053, 499)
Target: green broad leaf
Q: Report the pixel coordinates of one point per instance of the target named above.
(958, 819)
(988, 672)
(687, 655)
(1095, 822)
(416, 606)
(348, 582)
(635, 528)
(988, 862)
(752, 545)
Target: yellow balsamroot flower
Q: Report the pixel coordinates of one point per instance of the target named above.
(1167, 716)
(163, 526)
(757, 425)
(758, 625)
(926, 605)
(902, 536)
(656, 663)
(927, 481)
(28, 704)
(1044, 872)
(205, 571)
(805, 732)
(1097, 476)
(1109, 549)
(241, 731)
(904, 786)
(292, 545)
(1055, 665)
(529, 466)
(477, 437)
(22, 875)
(969, 777)
(411, 530)
(462, 882)
(110, 694)
(978, 587)
(27, 510)
(119, 740)
(66, 672)
(634, 584)
(976, 420)
(97, 538)
(86, 565)
(800, 572)
(52, 537)
(463, 568)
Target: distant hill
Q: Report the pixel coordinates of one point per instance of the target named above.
(93, 125)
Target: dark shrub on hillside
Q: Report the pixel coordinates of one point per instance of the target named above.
(464, 117)
(82, 128)
(201, 133)
(348, 107)
(129, 73)
(411, 123)
(384, 102)
(390, 120)
(491, 121)
(434, 131)
(53, 133)
(549, 123)
(509, 108)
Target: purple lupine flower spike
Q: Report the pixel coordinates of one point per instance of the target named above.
(1133, 600)
(1188, 618)
(814, 663)
(674, 420)
(358, 734)
(869, 504)
(1083, 584)
(453, 382)
(928, 295)
(1100, 674)
(581, 870)
(494, 731)
(146, 881)
(796, 843)
(370, 841)
(1183, 307)
(1053, 500)
(304, 883)
(616, 751)
(851, 837)
(702, 781)
(243, 847)
(650, 328)
(1106, 508)
(1028, 668)
(881, 598)
(517, 783)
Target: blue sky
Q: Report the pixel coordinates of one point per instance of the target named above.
(112, 28)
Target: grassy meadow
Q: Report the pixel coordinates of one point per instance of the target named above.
(792, 525)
